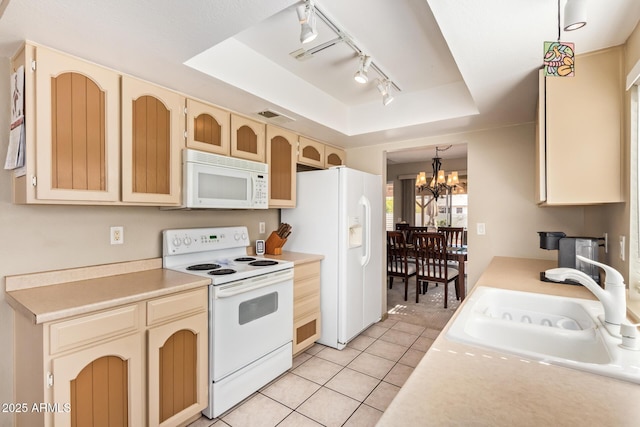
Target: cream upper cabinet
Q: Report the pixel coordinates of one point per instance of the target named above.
(579, 134)
(73, 145)
(247, 138)
(152, 143)
(281, 157)
(334, 156)
(310, 152)
(208, 128)
(319, 155)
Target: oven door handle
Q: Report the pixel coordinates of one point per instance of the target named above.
(244, 287)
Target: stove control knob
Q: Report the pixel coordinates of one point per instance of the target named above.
(187, 240)
(236, 236)
(176, 241)
(244, 236)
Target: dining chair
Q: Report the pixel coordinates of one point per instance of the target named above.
(398, 264)
(453, 235)
(431, 264)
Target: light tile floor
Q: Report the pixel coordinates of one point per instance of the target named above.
(349, 387)
(329, 387)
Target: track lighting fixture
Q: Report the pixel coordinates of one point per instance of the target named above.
(307, 18)
(384, 87)
(361, 74)
(575, 14)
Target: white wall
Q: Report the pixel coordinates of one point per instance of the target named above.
(42, 238)
(501, 193)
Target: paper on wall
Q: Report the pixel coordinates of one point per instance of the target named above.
(16, 149)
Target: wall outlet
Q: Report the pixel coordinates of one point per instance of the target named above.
(262, 227)
(622, 246)
(117, 235)
(606, 243)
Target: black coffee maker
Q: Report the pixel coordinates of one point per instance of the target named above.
(568, 248)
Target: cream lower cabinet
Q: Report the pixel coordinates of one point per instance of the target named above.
(306, 305)
(177, 357)
(120, 366)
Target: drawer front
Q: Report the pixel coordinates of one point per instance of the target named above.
(306, 270)
(93, 328)
(305, 288)
(176, 306)
(306, 307)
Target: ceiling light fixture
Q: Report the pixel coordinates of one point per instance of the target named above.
(307, 17)
(575, 14)
(307, 13)
(439, 185)
(361, 74)
(384, 87)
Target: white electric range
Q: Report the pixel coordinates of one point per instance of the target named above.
(250, 309)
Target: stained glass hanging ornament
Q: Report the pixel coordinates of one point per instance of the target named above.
(559, 57)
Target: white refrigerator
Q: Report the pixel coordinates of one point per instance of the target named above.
(338, 214)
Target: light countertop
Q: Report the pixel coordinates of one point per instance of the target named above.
(54, 295)
(462, 385)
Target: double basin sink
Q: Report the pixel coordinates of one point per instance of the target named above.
(551, 329)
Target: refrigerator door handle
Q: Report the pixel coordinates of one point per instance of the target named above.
(367, 230)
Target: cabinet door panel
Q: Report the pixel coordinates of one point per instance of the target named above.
(78, 122)
(152, 140)
(178, 370)
(247, 139)
(281, 157)
(102, 367)
(333, 156)
(311, 153)
(208, 128)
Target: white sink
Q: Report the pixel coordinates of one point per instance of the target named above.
(552, 329)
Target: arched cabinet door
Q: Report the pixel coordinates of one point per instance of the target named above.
(281, 157)
(333, 156)
(77, 129)
(177, 357)
(103, 380)
(208, 128)
(152, 141)
(247, 139)
(311, 153)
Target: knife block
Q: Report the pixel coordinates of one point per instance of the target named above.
(274, 244)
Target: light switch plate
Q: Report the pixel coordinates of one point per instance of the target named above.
(481, 229)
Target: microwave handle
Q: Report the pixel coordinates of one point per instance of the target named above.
(253, 188)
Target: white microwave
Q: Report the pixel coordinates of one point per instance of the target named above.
(214, 181)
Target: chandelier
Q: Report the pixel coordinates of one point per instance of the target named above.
(439, 184)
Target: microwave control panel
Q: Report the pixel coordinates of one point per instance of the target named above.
(261, 191)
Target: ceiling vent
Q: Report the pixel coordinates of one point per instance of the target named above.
(275, 117)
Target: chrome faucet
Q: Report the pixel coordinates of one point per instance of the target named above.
(612, 297)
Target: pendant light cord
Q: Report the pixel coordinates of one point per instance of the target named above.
(558, 20)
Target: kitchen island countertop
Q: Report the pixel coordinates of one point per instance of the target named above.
(459, 384)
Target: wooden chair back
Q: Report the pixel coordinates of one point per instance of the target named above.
(431, 261)
(398, 264)
(455, 236)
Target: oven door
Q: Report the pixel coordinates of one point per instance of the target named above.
(210, 186)
(250, 319)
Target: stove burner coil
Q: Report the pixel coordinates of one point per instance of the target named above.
(222, 272)
(263, 263)
(201, 267)
(244, 259)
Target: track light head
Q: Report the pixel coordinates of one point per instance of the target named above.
(384, 87)
(575, 14)
(307, 18)
(361, 74)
